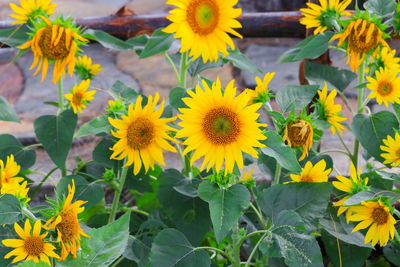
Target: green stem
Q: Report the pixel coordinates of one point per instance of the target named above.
(236, 247)
(60, 94)
(254, 250)
(42, 182)
(136, 211)
(171, 62)
(277, 176)
(343, 143)
(360, 100)
(221, 252)
(28, 213)
(118, 261)
(346, 101)
(335, 151)
(117, 194)
(183, 70)
(259, 215)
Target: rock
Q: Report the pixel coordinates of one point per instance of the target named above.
(148, 6)
(11, 82)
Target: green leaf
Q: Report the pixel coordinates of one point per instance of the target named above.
(158, 43)
(137, 251)
(371, 129)
(175, 97)
(309, 200)
(171, 248)
(381, 8)
(96, 126)
(92, 193)
(226, 205)
(7, 112)
(107, 40)
(379, 180)
(138, 42)
(104, 246)
(15, 36)
(282, 153)
(297, 96)
(319, 73)
(31, 263)
(310, 48)
(102, 153)
(297, 249)
(10, 145)
(241, 61)
(197, 66)
(396, 108)
(56, 134)
(392, 253)
(10, 209)
(360, 196)
(123, 91)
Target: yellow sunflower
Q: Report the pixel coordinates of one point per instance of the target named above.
(219, 126)
(31, 9)
(66, 223)
(31, 246)
(261, 92)
(330, 110)
(377, 216)
(55, 42)
(9, 182)
(85, 68)
(312, 174)
(299, 134)
(142, 135)
(391, 148)
(247, 177)
(204, 26)
(362, 36)
(79, 96)
(321, 16)
(386, 59)
(385, 87)
(351, 186)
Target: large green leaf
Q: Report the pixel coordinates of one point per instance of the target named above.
(10, 209)
(7, 112)
(295, 96)
(137, 251)
(107, 40)
(157, 43)
(10, 145)
(380, 8)
(226, 205)
(309, 200)
(241, 61)
(96, 126)
(392, 253)
(104, 246)
(15, 36)
(122, 90)
(198, 66)
(371, 129)
(175, 97)
(337, 78)
(56, 134)
(31, 263)
(102, 153)
(283, 154)
(171, 248)
(310, 48)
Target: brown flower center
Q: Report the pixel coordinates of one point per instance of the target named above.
(307, 178)
(57, 48)
(77, 98)
(140, 133)
(221, 126)
(298, 132)
(380, 215)
(363, 40)
(385, 88)
(33, 245)
(202, 16)
(69, 225)
(398, 153)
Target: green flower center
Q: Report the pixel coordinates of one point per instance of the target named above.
(202, 16)
(385, 88)
(221, 126)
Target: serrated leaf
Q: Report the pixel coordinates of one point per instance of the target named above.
(96, 126)
(157, 43)
(7, 112)
(107, 40)
(295, 96)
(10, 145)
(10, 209)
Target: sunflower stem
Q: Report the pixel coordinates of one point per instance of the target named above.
(236, 247)
(359, 110)
(183, 69)
(277, 176)
(117, 194)
(171, 62)
(255, 249)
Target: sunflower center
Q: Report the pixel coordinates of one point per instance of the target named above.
(33, 245)
(307, 178)
(202, 16)
(298, 133)
(140, 133)
(363, 40)
(380, 215)
(54, 48)
(77, 98)
(221, 126)
(385, 88)
(69, 225)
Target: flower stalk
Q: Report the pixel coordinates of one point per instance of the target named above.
(117, 193)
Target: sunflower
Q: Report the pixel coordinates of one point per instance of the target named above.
(55, 42)
(312, 174)
(66, 223)
(351, 186)
(386, 59)
(142, 135)
(219, 126)
(324, 16)
(31, 9)
(85, 68)
(79, 96)
(203, 26)
(361, 37)
(331, 111)
(391, 148)
(261, 92)
(31, 246)
(378, 217)
(21, 192)
(299, 134)
(385, 86)
(9, 182)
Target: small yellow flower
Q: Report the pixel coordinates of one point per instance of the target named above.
(9, 181)
(247, 177)
(391, 148)
(85, 68)
(31, 9)
(204, 26)
(386, 59)
(377, 216)
(330, 110)
(79, 96)
(299, 134)
(67, 225)
(321, 16)
(385, 87)
(261, 92)
(31, 246)
(313, 174)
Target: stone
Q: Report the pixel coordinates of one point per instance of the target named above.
(11, 82)
(148, 6)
